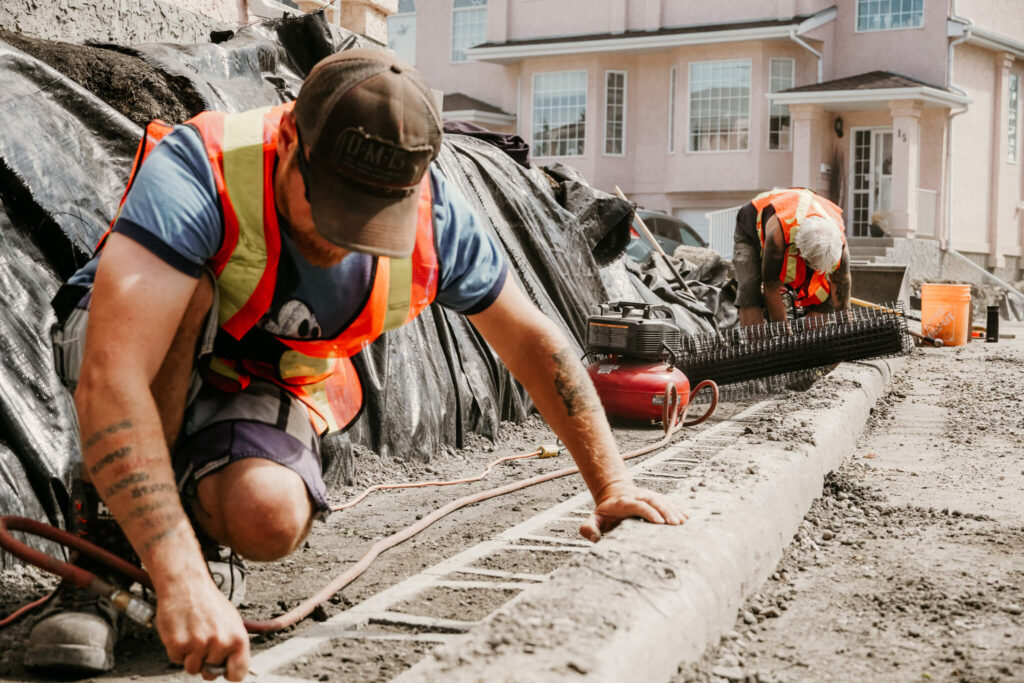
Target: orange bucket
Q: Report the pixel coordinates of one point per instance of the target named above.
(946, 312)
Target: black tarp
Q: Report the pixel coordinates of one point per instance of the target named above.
(64, 158)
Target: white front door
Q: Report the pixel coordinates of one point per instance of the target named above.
(870, 179)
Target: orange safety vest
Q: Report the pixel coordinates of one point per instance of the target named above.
(242, 149)
(791, 207)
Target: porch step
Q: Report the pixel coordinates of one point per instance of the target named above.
(870, 241)
(859, 252)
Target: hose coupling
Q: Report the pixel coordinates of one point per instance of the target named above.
(135, 609)
(549, 450)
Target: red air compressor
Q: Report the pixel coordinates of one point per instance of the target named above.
(639, 342)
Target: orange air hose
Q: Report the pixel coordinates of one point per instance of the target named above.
(86, 579)
(450, 482)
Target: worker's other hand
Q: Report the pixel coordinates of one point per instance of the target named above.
(618, 501)
(199, 626)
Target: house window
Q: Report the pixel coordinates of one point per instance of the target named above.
(559, 113)
(672, 110)
(1011, 129)
(469, 26)
(615, 113)
(720, 105)
(779, 123)
(885, 15)
(402, 31)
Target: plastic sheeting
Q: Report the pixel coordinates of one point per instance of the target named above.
(38, 432)
(64, 159)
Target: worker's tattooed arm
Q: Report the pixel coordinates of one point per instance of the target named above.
(137, 306)
(130, 375)
(135, 486)
(537, 354)
(573, 385)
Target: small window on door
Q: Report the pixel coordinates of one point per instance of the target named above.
(871, 181)
(780, 135)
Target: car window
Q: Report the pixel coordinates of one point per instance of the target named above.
(689, 237)
(672, 228)
(662, 226)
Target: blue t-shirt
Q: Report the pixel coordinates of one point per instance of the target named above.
(174, 211)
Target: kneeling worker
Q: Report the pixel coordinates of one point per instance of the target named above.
(790, 238)
(208, 345)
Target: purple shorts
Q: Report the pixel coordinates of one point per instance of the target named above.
(263, 421)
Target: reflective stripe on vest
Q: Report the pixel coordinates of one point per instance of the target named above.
(791, 208)
(243, 164)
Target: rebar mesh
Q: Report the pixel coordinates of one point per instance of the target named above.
(762, 359)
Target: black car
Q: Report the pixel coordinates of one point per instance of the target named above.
(669, 232)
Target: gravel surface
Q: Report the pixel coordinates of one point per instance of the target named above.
(275, 587)
(911, 565)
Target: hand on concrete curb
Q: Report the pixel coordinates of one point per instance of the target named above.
(620, 501)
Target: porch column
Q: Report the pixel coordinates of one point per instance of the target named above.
(808, 143)
(1000, 190)
(366, 17)
(906, 142)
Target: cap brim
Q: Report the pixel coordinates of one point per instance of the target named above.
(356, 220)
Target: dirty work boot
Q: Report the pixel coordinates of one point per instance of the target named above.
(75, 634)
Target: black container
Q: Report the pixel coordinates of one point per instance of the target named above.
(992, 324)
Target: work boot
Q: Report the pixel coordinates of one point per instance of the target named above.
(75, 634)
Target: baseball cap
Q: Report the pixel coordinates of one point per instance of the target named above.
(372, 129)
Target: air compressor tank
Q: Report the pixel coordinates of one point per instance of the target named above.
(634, 389)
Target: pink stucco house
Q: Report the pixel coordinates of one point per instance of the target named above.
(906, 112)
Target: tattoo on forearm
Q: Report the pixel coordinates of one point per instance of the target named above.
(124, 483)
(162, 520)
(106, 431)
(571, 386)
(147, 489)
(109, 458)
(150, 508)
(156, 538)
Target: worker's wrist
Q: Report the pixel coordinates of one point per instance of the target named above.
(610, 489)
(185, 566)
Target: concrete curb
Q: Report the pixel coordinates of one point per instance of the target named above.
(647, 597)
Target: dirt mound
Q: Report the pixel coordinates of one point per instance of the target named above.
(120, 78)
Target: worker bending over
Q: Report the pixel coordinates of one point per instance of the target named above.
(790, 239)
(209, 340)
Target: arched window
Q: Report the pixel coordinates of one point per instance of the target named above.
(402, 31)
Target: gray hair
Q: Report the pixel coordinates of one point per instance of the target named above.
(820, 243)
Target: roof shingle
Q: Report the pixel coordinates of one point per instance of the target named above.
(873, 80)
(457, 101)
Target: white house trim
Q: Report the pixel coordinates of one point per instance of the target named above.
(994, 41)
(833, 100)
(505, 54)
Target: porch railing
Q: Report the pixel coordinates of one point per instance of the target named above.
(722, 225)
(926, 212)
